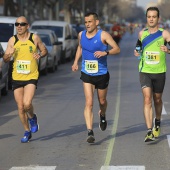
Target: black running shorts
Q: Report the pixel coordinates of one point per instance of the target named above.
(100, 82)
(17, 84)
(154, 81)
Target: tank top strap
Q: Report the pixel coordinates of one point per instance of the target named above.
(16, 39)
(31, 37)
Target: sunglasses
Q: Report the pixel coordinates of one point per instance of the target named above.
(22, 24)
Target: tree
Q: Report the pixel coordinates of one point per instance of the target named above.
(9, 8)
(164, 10)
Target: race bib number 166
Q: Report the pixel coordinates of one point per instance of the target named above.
(91, 66)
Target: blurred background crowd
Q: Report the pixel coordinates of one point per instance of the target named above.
(72, 11)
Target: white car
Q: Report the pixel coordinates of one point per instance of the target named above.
(62, 31)
(7, 30)
(53, 46)
(74, 40)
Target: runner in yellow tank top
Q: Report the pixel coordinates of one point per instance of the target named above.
(25, 68)
(24, 48)
(152, 70)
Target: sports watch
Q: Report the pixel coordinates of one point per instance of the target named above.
(107, 51)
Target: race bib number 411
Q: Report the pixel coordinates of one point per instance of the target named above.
(152, 57)
(91, 66)
(23, 66)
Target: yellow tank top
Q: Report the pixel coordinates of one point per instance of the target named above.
(25, 67)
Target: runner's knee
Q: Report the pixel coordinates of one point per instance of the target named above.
(27, 107)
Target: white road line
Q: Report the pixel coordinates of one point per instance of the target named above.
(32, 167)
(122, 168)
(163, 110)
(168, 137)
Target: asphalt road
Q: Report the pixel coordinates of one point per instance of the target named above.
(60, 144)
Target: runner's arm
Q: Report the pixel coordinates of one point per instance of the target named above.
(78, 54)
(107, 39)
(166, 36)
(138, 43)
(41, 47)
(9, 51)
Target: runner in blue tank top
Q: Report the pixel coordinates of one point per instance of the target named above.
(89, 47)
(93, 48)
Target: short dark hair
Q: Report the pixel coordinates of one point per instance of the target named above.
(95, 15)
(152, 9)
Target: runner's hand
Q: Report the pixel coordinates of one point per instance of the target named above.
(136, 53)
(36, 56)
(164, 48)
(74, 67)
(99, 54)
(10, 54)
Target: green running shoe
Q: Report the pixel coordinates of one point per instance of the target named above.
(149, 136)
(156, 128)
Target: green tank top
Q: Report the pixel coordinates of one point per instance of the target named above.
(153, 60)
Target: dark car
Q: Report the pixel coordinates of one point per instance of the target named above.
(3, 74)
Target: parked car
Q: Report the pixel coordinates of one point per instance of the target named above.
(3, 74)
(53, 46)
(7, 30)
(78, 27)
(62, 31)
(43, 65)
(74, 41)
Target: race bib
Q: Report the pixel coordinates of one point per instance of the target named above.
(91, 66)
(23, 66)
(152, 57)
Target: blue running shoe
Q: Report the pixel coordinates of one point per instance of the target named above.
(34, 125)
(27, 137)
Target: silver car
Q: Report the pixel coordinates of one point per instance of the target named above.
(3, 74)
(62, 31)
(53, 46)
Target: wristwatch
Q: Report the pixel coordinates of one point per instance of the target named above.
(107, 51)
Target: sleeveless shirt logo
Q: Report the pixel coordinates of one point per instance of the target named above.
(17, 49)
(95, 41)
(30, 49)
(159, 43)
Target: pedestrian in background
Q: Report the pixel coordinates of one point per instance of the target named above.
(24, 48)
(152, 70)
(93, 47)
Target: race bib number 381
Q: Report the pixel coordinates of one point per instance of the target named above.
(23, 66)
(152, 57)
(91, 66)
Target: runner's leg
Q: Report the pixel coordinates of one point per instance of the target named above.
(88, 110)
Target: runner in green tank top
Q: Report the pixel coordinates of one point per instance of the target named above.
(153, 58)
(152, 70)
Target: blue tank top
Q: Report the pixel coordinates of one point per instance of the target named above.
(90, 64)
